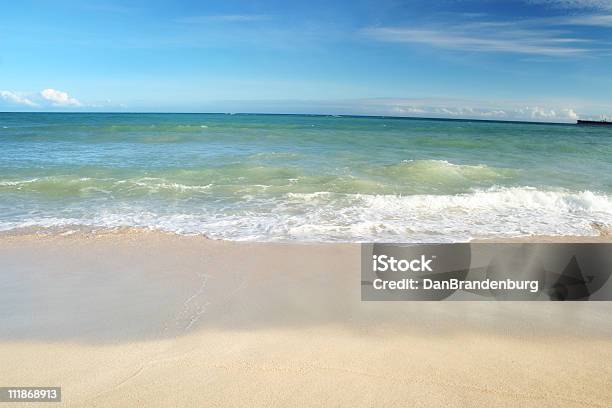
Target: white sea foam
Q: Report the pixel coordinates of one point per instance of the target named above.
(325, 216)
(8, 183)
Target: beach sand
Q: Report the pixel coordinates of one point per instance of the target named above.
(138, 318)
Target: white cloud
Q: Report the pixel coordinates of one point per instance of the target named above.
(547, 114)
(16, 98)
(407, 110)
(59, 98)
(541, 113)
(500, 114)
(449, 108)
(570, 114)
(47, 98)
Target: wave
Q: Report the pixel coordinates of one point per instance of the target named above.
(17, 183)
(328, 216)
(407, 177)
(70, 186)
(443, 173)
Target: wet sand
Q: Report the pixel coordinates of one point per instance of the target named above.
(150, 319)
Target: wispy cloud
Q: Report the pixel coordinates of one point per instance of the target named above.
(597, 13)
(575, 4)
(485, 37)
(560, 35)
(596, 20)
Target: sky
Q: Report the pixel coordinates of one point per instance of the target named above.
(537, 60)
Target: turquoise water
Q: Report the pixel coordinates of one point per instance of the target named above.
(293, 177)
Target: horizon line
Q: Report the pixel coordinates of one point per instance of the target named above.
(296, 114)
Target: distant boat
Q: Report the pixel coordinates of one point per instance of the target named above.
(602, 122)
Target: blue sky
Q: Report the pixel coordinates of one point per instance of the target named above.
(548, 60)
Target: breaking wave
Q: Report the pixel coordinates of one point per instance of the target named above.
(329, 216)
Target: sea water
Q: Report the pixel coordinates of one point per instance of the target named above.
(304, 177)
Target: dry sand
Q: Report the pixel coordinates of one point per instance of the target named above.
(149, 319)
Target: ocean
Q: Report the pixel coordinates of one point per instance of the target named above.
(303, 177)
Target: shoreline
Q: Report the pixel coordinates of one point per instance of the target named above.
(84, 231)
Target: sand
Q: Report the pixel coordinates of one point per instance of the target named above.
(150, 319)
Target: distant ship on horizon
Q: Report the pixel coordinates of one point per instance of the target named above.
(603, 122)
